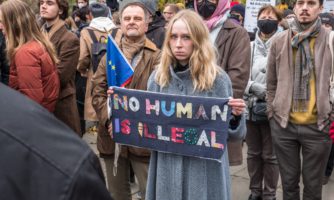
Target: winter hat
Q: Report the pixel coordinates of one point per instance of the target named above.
(98, 10)
(233, 3)
(239, 8)
(327, 18)
(150, 5)
(287, 12)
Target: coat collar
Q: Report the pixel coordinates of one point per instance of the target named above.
(223, 35)
(55, 27)
(229, 24)
(150, 45)
(320, 41)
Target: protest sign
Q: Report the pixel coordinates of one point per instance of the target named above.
(251, 11)
(328, 6)
(184, 125)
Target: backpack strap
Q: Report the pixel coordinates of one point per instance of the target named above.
(117, 34)
(92, 35)
(114, 32)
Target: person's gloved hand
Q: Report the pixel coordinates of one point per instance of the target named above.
(258, 90)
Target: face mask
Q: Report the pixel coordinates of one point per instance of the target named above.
(267, 26)
(206, 8)
(234, 16)
(81, 5)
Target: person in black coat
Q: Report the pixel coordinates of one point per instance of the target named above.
(156, 27)
(40, 159)
(4, 66)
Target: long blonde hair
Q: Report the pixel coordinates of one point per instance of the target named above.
(21, 27)
(202, 62)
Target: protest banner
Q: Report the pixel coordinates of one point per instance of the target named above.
(251, 11)
(328, 6)
(184, 125)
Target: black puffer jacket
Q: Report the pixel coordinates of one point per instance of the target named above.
(156, 31)
(4, 66)
(40, 159)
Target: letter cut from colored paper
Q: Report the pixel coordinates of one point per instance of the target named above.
(183, 125)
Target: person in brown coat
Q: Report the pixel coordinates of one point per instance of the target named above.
(33, 60)
(67, 47)
(298, 101)
(234, 52)
(100, 26)
(143, 56)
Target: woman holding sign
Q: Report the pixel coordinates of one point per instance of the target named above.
(188, 67)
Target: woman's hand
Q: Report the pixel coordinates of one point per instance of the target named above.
(238, 106)
(110, 130)
(110, 91)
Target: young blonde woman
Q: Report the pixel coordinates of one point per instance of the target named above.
(188, 67)
(32, 57)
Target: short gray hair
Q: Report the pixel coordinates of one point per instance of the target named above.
(142, 6)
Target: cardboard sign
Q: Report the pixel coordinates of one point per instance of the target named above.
(328, 6)
(184, 125)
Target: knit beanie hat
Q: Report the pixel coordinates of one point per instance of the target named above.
(150, 5)
(287, 12)
(98, 10)
(239, 8)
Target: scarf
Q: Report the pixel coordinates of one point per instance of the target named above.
(132, 51)
(222, 7)
(303, 62)
(261, 46)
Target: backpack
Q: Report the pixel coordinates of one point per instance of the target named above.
(99, 48)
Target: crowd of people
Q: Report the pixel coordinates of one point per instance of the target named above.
(277, 79)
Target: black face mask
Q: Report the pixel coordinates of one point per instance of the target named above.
(206, 8)
(234, 16)
(267, 26)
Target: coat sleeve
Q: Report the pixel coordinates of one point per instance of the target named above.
(237, 126)
(239, 63)
(271, 79)
(88, 182)
(157, 59)
(84, 58)
(151, 84)
(68, 59)
(100, 87)
(29, 75)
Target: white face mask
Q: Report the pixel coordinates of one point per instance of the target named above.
(81, 5)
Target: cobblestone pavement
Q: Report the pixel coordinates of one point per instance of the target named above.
(239, 175)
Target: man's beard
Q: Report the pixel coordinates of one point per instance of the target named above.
(307, 25)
